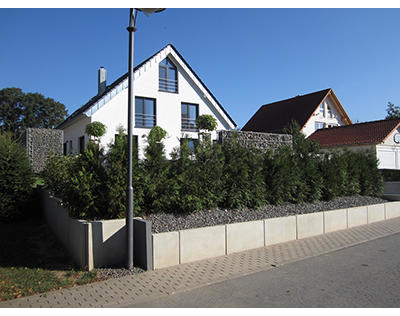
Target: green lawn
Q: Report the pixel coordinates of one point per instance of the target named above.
(32, 261)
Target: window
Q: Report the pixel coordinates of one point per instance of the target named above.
(65, 148)
(70, 147)
(191, 143)
(189, 114)
(145, 112)
(322, 110)
(168, 79)
(330, 114)
(319, 125)
(81, 144)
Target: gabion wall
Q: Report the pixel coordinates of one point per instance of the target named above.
(40, 143)
(261, 141)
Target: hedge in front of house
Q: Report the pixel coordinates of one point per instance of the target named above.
(93, 185)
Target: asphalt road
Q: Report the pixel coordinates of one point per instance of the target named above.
(366, 275)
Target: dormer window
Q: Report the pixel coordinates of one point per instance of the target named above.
(168, 76)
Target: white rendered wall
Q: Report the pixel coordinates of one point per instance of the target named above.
(168, 106)
(73, 131)
(309, 128)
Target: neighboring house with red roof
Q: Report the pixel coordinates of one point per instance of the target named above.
(312, 111)
(382, 137)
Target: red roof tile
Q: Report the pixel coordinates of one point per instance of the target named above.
(356, 134)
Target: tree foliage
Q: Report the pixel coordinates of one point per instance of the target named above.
(206, 122)
(19, 110)
(393, 111)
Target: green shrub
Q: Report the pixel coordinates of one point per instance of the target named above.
(16, 179)
(242, 178)
(117, 171)
(93, 185)
(156, 180)
(206, 122)
(281, 176)
(371, 180)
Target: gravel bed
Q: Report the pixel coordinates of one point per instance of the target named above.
(170, 222)
(108, 273)
(162, 222)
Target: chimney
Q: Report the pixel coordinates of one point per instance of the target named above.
(102, 79)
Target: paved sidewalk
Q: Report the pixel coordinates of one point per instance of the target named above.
(154, 284)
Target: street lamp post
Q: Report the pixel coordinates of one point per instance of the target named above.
(129, 208)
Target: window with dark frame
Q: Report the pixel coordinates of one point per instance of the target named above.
(65, 148)
(81, 144)
(168, 76)
(189, 114)
(191, 143)
(145, 112)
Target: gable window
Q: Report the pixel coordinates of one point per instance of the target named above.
(168, 76)
(322, 110)
(319, 125)
(189, 114)
(330, 114)
(145, 112)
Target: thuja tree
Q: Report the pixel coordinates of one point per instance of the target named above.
(16, 178)
(117, 171)
(156, 180)
(243, 178)
(305, 161)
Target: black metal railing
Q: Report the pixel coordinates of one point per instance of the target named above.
(145, 120)
(189, 124)
(170, 85)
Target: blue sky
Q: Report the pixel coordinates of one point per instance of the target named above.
(246, 57)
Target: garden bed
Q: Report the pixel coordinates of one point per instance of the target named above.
(162, 222)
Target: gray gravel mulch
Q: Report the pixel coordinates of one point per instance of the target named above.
(162, 222)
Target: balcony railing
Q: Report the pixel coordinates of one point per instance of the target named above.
(145, 120)
(169, 85)
(189, 124)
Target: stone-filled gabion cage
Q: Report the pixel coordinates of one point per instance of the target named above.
(40, 143)
(260, 141)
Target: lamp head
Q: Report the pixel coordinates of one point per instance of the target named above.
(149, 11)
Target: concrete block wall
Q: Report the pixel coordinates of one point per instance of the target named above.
(94, 244)
(189, 245)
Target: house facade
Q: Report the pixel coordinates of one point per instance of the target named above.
(381, 137)
(168, 93)
(312, 111)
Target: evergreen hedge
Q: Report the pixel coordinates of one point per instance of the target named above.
(93, 185)
(16, 179)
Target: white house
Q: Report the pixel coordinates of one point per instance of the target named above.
(312, 111)
(168, 93)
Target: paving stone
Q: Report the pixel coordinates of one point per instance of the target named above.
(152, 284)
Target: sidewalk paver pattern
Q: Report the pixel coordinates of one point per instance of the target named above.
(149, 285)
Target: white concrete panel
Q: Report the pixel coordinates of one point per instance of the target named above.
(165, 249)
(357, 216)
(280, 229)
(392, 209)
(335, 220)
(310, 225)
(376, 213)
(243, 236)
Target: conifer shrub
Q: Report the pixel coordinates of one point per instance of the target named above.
(242, 178)
(282, 179)
(93, 184)
(116, 166)
(16, 179)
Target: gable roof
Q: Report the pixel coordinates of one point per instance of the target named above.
(120, 81)
(274, 117)
(366, 133)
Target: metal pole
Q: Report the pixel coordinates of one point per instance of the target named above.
(129, 207)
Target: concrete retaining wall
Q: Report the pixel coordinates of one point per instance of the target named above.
(91, 244)
(94, 244)
(183, 246)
